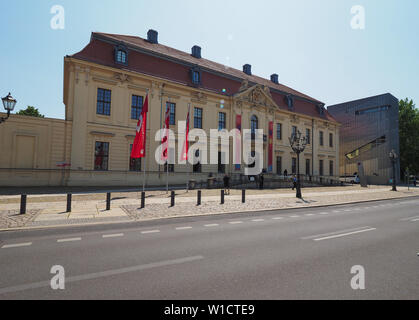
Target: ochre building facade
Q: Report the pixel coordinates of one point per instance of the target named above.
(105, 86)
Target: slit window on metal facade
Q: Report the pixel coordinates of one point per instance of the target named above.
(103, 102)
(367, 147)
(372, 110)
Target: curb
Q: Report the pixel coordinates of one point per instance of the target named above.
(197, 215)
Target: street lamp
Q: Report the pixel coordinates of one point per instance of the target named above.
(393, 157)
(298, 144)
(9, 104)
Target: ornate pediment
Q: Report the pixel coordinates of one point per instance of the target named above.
(256, 96)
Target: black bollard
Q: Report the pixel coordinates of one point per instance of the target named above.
(199, 198)
(142, 200)
(108, 201)
(172, 199)
(68, 203)
(23, 204)
(243, 196)
(222, 196)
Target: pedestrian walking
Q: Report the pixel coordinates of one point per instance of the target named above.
(294, 183)
(227, 184)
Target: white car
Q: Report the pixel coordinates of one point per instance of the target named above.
(350, 179)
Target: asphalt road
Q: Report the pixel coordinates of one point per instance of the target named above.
(288, 254)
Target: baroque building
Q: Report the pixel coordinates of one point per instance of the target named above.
(105, 86)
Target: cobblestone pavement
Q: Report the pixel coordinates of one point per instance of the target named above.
(47, 211)
(12, 218)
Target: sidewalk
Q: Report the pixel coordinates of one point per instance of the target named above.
(49, 210)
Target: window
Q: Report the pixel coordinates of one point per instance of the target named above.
(198, 118)
(172, 113)
(103, 102)
(321, 172)
(308, 171)
(101, 156)
(134, 164)
(121, 56)
(331, 167)
(279, 131)
(321, 138)
(221, 166)
(171, 167)
(136, 107)
(308, 136)
(331, 140)
(221, 120)
(294, 130)
(197, 168)
(254, 124)
(196, 75)
(372, 110)
(294, 165)
(279, 165)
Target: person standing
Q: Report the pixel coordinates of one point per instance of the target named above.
(261, 181)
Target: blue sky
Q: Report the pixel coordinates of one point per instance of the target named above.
(310, 44)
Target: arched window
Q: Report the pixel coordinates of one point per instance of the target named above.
(121, 55)
(254, 124)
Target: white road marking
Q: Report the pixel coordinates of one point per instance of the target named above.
(183, 228)
(113, 235)
(236, 222)
(344, 234)
(309, 215)
(294, 216)
(211, 225)
(336, 211)
(16, 245)
(278, 218)
(410, 219)
(324, 213)
(258, 220)
(348, 210)
(414, 220)
(150, 231)
(334, 233)
(103, 274)
(68, 240)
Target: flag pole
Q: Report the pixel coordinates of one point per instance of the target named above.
(186, 141)
(145, 148)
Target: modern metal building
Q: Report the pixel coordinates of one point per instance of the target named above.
(369, 131)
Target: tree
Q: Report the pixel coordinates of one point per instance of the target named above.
(409, 136)
(31, 112)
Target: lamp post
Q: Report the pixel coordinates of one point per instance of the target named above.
(393, 157)
(9, 104)
(298, 144)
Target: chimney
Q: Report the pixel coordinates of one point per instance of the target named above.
(247, 69)
(196, 52)
(152, 36)
(274, 78)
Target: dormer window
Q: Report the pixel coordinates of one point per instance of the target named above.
(196, 76)
(289, 101)
(121, 55)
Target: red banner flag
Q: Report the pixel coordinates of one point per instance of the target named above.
(165, 139)
(138, 148)
(185, 148)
